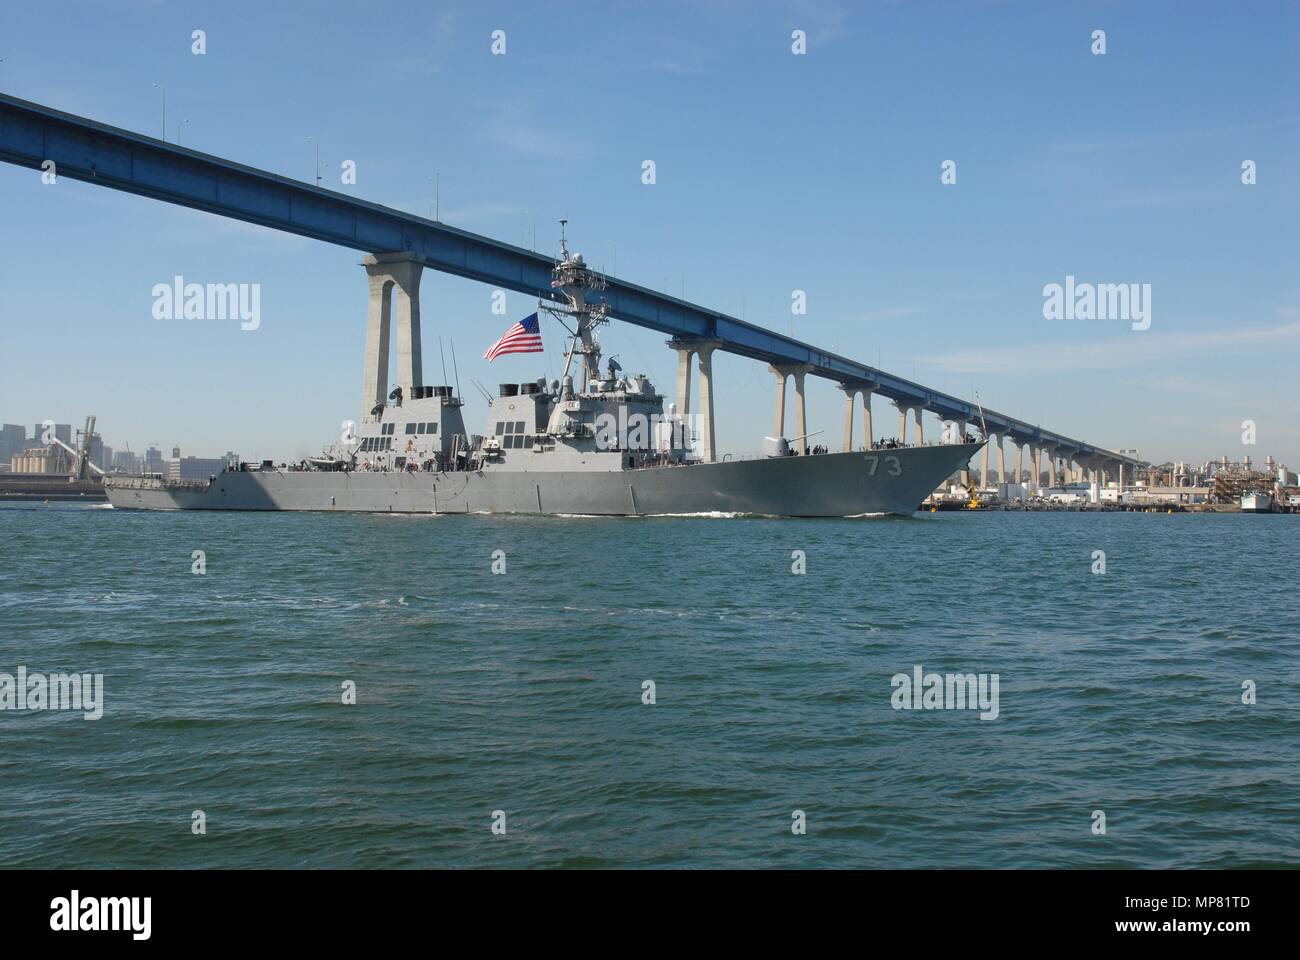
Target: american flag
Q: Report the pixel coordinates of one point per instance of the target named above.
(524, 337)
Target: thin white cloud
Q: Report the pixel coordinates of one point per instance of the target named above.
(1134, 143)
(1145, 348)
(891, 313)
(515, 126)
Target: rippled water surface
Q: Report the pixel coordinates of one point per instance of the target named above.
(522, 692)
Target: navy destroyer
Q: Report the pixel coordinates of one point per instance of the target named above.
(602, 444)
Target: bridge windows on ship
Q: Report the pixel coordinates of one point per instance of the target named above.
(514, 438)
(512, 435)
(410, 428)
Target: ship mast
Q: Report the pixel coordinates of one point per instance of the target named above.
(575, 280)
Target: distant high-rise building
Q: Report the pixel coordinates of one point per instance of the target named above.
(153, 460)
(96, 449)
(13, 440)
(176, 453)
(105, 460)
(124, 461)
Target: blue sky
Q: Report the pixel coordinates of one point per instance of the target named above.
(775, 172)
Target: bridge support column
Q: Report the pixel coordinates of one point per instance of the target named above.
(1020, 460)
(374, 380)
(961, 438)
(920, 427)
(801, 409)
(1002, 458)
(1051, 466)
(799, 371)
(684, 354)
(850, 395)
(984, 473)
(902, 421)
(703, 352)
(851, 391)
(389, 271)
(781, 373)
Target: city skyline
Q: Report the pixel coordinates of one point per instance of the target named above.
(1119, 168)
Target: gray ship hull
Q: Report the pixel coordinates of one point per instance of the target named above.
(892, 481)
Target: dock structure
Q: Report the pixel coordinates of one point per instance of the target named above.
(399, 246)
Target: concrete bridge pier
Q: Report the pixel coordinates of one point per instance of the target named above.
(703, 352)
(1096, 472)
(1051, 465)
(800, 372)
(961, 438)
(851, 390)
(388, 272)
(902, 421)
(684, 355)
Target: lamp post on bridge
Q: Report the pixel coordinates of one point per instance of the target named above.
(163, 87)
(317, 142)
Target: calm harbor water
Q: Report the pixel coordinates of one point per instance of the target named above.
(522, 692)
